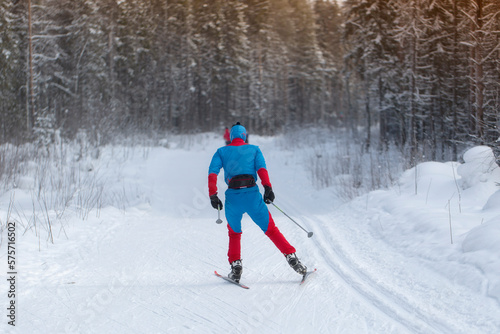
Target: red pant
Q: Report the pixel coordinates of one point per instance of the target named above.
(234, 252)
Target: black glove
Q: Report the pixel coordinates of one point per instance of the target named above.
(268, 195)
(216, 202)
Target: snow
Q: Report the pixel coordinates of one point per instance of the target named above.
(419, 257)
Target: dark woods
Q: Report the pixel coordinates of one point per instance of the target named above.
(423, 74)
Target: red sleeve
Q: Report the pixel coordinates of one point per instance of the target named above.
(212, 184)
(264, 177)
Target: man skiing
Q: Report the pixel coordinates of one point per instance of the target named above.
(242, 163)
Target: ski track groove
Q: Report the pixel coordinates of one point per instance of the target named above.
(388, 302)
(379, 298)
(366, 289)
(222, 311)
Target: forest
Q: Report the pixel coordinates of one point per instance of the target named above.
(423, 75)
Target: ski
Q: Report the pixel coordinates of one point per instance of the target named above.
(306, 275)
(230, 280)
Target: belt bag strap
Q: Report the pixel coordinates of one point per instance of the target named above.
(242, 181)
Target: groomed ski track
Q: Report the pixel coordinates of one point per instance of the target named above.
(148, 268)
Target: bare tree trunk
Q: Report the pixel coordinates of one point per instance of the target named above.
(383, 143)
(479, 72)
(350, 117)
(455, 83)
(368, 116)
(30, 105)
(413, 108)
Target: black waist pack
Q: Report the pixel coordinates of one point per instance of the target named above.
(242, 181)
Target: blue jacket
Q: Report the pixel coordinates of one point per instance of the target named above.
(237, 158)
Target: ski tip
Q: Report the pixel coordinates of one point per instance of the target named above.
(306, 275)
(310, 272)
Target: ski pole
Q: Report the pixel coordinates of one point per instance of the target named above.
(218, 221)
(309, 234)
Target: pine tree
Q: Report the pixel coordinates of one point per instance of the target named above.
(12, 113)
(304, 57)
(328, 34)
(483, 39)
(448, 74)
(261, 89)
(177, 90)
(373, 56)
(232, 58)
(90, 79)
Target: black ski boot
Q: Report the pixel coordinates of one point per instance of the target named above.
(236, 270)
(295, 263)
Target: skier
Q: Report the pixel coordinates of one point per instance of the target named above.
(227, 136)
(242, 163)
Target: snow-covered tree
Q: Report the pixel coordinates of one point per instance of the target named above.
(12, 81)
(484, 43)
(329, 37)
(369, 30)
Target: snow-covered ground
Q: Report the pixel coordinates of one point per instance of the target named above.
(421, 257)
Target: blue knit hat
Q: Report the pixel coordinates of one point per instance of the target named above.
(238, 131)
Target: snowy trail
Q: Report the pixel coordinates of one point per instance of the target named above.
(149, 269)
(406, 290)
(400, 288)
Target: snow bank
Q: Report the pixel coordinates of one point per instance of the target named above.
(482, 249)
(438, 199)
(481, 177)
(479, 167)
